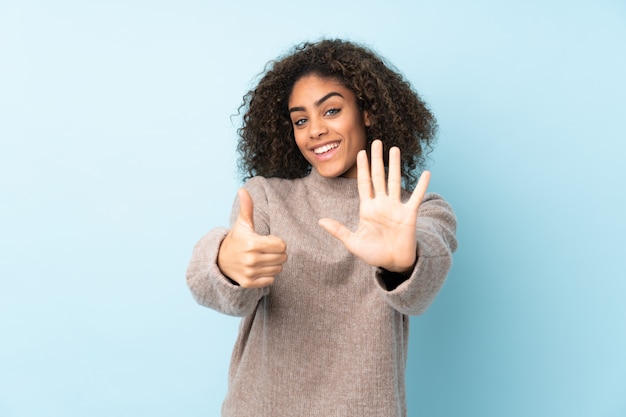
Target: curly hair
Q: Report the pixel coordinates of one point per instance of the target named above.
(398, 116)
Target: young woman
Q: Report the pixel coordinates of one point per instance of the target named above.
(327, 254)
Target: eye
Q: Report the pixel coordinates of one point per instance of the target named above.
(299, 122)
(332, 112)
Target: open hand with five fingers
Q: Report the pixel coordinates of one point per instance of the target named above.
(386, 234)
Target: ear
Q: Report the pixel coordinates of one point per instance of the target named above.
(366, 118)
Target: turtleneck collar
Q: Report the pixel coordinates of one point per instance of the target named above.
(336, 186)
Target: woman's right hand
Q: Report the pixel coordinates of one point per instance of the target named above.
(250, 259)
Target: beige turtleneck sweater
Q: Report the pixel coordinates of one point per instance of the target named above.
(330, 337)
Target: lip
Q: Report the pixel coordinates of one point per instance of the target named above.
(328, 154)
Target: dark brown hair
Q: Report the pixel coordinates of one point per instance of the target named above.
(397, 114)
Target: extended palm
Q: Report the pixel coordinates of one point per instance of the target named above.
(385, 236)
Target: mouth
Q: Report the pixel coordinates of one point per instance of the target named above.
(321, 150)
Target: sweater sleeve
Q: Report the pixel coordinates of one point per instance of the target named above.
(208, 285)
(436, 241)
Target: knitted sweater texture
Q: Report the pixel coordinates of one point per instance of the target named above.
(330, 337)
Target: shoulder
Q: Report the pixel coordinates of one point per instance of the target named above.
(435, 212)
(273, 189)
(436, 199)
(430, 200)
(435, 205)
(270, 184)
(260, 181)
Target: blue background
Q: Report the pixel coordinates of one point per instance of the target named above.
(117, 152)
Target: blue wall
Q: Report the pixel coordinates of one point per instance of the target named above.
(117, 153)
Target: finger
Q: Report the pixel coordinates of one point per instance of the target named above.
(266, 271)
(336, 229)
(378, 168)
(420, 190)
(271, 244)
(268, 259)
(246, 208)
(364, 181)
(257, 255)
(395, 177)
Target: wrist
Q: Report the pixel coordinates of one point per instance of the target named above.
(401, 269)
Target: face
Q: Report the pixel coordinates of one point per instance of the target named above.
(328, 125)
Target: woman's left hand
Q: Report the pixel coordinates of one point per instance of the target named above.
(385, 236)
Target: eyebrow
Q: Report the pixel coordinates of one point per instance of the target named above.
(318, 102)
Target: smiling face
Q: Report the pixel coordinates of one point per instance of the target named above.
(328, 125)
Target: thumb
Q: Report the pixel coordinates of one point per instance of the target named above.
(246, 208)
(335, 229)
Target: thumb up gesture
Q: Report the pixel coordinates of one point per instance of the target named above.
(250, 259)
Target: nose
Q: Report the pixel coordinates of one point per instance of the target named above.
(317, 128)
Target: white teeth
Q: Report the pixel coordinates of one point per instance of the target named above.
(325, 148)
